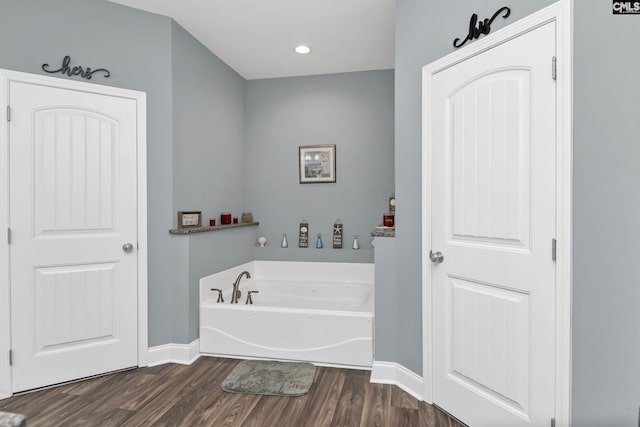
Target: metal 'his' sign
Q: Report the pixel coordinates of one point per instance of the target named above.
(476, 29)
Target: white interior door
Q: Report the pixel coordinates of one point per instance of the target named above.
(493, 181)
(72, 208)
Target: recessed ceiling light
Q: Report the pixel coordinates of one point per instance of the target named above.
(302, 49)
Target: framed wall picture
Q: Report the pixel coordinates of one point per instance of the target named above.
(189, 219)
(317, 163)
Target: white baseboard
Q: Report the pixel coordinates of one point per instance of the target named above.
(393, 373)
(184, 354)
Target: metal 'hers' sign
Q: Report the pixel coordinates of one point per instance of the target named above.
(65, 68)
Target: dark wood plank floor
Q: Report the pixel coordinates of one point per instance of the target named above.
(178, 395)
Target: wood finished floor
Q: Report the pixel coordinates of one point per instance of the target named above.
(178, 395)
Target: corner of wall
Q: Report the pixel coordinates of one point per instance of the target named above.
(396, 374)
(183, 354)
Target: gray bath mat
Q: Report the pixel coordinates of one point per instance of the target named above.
(269, 377)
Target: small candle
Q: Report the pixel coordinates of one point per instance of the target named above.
(235, 219)
(212, 222)
(225, 218)
(388, 220)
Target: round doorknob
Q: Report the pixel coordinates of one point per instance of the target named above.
(436, 257)
(127, 247)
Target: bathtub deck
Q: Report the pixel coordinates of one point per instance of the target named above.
(191, 396)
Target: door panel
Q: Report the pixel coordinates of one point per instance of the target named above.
(74, 176)
(489, 125)
(72, 206)
(493, 218)
(489, 341)
(74, 306)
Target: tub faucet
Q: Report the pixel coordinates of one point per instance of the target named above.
(235, 295)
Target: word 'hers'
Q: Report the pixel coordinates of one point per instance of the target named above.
(75, 71)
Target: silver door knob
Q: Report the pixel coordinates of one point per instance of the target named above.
(127, 247)
(436, 257)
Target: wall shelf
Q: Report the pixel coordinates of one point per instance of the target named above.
(216, 228)
(384, 232)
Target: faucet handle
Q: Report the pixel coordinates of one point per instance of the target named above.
(249, 299)
(220, 298)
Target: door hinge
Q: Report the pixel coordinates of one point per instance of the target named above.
(10, 357)
(554, 68)
(8, 113)
(9, 236)
(553, 422)
(553, 249)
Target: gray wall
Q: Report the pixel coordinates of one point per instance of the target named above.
(208, 130)
(211, 253)
(208, 171)
(386, 301)
(606, 294)
(194, 131)
(136, 47)
(199, 255)
(353, 111)
(606, 338)
(425, 31)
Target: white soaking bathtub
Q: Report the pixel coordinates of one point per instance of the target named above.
(305, 311)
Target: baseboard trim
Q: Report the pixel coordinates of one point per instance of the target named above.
(183, 354)
(393, 373)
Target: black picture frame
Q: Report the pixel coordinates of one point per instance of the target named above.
(317, 164)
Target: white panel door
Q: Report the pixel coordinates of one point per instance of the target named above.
(72, 208)
(493, 220)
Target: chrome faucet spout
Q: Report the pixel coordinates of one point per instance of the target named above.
(235, 295)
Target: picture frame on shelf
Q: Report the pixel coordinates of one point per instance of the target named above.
(317, 164)
(189, 219)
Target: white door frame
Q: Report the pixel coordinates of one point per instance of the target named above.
(560, 12)
(7, 76)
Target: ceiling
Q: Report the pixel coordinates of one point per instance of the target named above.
(257, 37)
